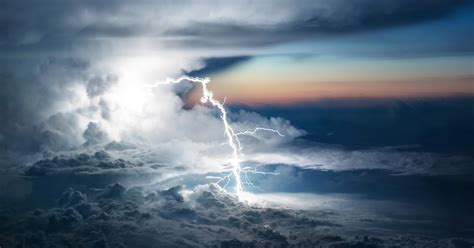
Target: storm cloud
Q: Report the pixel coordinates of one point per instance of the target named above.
(115, 215)
(55, 24)
(71, 70)
(91, 156)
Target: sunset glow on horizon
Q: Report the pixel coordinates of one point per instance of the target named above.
(273, 81)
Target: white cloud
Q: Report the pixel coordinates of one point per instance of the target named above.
(325, 157)
(88, 64)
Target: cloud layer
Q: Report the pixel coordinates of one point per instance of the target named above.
(73, 72)
(205, 22)
(81, 212)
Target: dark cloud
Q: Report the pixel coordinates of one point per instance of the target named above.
(105, 111)
(214, 65)
(94, 134)
(66, 204)
(82, 171)
(32, 93)
(344, 20)
(319, 19)
(99, 84)
(56, 133)
(207, 216)
(71, 197)
(119, 146)
(56, 181)
(58, 24)
(366, 14)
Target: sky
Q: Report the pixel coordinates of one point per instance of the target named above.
(428, 58)
(356, 76)
(374, 101)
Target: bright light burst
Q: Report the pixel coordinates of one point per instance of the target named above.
(238, 173)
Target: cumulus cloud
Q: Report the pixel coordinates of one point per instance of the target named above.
(93, 109)
(98, 163)
(94, 134)
(96, 199)
(207, 216)
(81, 84)
(98, 85)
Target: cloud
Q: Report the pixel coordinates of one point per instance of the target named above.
(218, 64)
(56, 104)
(394, 159)
(200, 217)
(94, 134)
(87, 103)
(98, 85)
(36, 99)
(98, 163)
(97, 198)
(81, 86)
(73, 77)
(219, 22)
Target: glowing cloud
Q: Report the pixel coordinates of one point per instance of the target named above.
(232, 136)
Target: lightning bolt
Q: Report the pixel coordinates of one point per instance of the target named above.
(232, 137)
